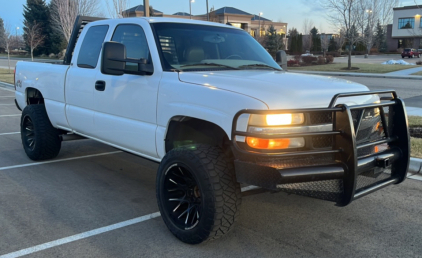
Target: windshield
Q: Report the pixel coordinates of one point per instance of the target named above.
(193, 47)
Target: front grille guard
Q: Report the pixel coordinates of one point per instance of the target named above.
(395, 158)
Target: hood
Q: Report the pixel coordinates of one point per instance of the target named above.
(280, 89)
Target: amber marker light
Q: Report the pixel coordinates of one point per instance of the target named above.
(275, 144)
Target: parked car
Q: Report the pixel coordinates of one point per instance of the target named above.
(207, 102)
(411, 53)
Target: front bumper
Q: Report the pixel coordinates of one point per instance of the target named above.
(349, 167)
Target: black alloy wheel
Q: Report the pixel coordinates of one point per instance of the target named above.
(40, 139)
(197, 193)
(182, 196)
(28, 134)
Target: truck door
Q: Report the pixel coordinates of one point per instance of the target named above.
(80, 80)
(126, 105)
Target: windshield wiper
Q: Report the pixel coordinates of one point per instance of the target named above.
(210, 64)
(258, 66)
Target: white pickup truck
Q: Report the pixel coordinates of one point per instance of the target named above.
(213, 107)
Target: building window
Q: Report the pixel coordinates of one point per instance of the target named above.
(406, 23)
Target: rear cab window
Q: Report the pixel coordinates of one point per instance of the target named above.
(91, 46)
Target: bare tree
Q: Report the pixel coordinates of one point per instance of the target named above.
(116, 9)
(325, 41)
(34, 36)
(307, 39)
(8, 42)
(341, 39)
(345, 14)
(64, 13)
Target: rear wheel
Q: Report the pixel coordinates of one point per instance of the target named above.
(197, 193)
(40, 139)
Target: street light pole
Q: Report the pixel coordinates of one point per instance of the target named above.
(208, 13)
(260, 13)
(16, 38)
(146, 8)
(190, 8)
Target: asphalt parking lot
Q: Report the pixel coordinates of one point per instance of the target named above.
(96, 201)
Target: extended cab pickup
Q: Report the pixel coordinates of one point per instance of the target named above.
(208, 103)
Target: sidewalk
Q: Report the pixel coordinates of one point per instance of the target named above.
(369, 75)
(407, 71)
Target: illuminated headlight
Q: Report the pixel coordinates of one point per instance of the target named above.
(277, 119)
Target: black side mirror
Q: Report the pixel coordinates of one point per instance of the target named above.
(112, 58)
(144, 68)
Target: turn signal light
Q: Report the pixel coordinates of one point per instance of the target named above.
(275, 144)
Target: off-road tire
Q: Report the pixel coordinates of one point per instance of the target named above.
(46, 142)
(220, 193)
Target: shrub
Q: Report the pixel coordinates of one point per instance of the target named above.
(51, 55)
(329, 59)
(292, 63)
(43, 55)
(309, 59)
(321, 60)
(61, 54)
(297, 58)
(419, 62)
(333, 53)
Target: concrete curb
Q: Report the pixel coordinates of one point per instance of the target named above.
(415, 166)
(369, 75)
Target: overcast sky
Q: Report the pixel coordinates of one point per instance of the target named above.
(291, 11)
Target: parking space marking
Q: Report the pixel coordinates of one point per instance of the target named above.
(59, 160)
(9, 133)
(11, 115)
(1, 88)
(80, 236)
(90, 233)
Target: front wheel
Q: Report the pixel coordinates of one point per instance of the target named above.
(40, 139)
(197, 193)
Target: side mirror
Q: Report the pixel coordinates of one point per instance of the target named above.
(281, 59)
(112, 58)
(144, 68)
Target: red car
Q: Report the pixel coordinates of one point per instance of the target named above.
(410, 52)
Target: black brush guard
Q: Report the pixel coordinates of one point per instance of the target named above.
(342, 172)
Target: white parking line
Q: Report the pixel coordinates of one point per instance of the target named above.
(90, 233)
(9, 133)
(2, 88)
(10, 115)
(58, 160)
(80, 236)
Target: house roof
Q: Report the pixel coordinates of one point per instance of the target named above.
(407, 7)
(181, 14)
(139, 8)
(257, 18)
(230, 10)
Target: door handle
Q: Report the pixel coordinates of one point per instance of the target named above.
(100, 85)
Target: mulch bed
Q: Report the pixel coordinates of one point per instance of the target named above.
(415, 132)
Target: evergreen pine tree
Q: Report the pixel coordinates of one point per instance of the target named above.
(37, 10)
(332, 45)
(380, 38)
(2, 35)
(274, 41)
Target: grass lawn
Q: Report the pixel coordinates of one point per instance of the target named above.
(364, 68)
(415, 143)
(5, 76)
(418, 73)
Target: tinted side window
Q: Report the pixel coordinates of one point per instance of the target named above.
(91, 46)
(133, 37)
